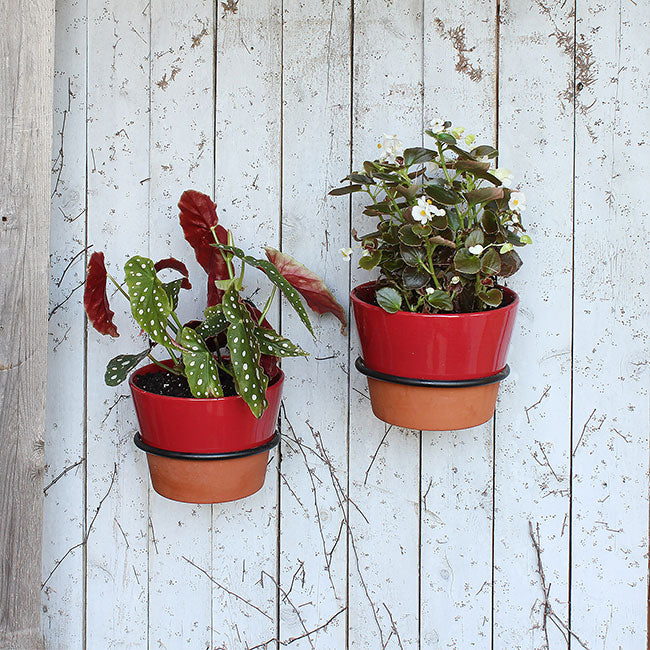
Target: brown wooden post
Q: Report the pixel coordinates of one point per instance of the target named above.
(26, 69)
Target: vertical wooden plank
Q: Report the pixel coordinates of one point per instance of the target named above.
(384, 464)
(247, 189)
(181, 157)
(611, 344)
(316, 119)
(460, 70)
(118, 193)
(63, 557)
(26, 64)
(533, 416)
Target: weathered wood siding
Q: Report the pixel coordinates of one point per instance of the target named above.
(26, 65)
(364, 536)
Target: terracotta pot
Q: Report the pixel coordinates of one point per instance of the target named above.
(207, 478)
(205, 450)
(431, 405)
(435, 372)
(434, 346)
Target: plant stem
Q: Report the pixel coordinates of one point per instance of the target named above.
(164, 367)
(267, 306)
(117, 284)
(175, 317)
(225, 255)
(225, 368)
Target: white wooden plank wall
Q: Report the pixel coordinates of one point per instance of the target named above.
(363, 536)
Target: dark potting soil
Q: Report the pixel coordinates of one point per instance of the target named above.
(170, 385)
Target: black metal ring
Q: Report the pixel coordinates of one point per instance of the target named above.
(431, 383)
(226, 455)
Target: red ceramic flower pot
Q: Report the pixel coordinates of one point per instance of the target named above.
(205, 450)
(456, 360)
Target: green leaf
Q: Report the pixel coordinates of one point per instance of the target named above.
(484, 195)
(120, 366)
(172, 289)
(215, 322)
(407, 192)
(469, 165)
(272, 343)
(465, 262)
(407, 235)
(490, 262)
(412, 255)
(201, 367)
(506, 248)
(347, 189)
(368, 262)
(389, 299)
(422, 230)
(415, 278)
(489, 221)
(447, 138)
(474, 237)
(525, 239)
(274, 275)
(484, 150)
(439, 222)
(150, 303)
(510, 264)
(244, 349)
(442, 195)
(493, 297)
(440, 300)
(418, 156)
(360, 178)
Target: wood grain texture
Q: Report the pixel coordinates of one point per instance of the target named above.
(117, 525)
(611, 344)
(25, 137)
(65, 471)
(363, 536)
(533, 424)
(316, 150)
(456, 487)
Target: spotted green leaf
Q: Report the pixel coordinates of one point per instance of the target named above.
(201, 367)
(250, 380)
(119, 367)
(150, 303)
(172, 289)
(276, 345)
(215, 322)
(274, 275)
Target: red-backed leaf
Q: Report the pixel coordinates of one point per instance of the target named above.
(177, 265)
(95, 299)
(198, 215)
(311, 287)
(269, 363)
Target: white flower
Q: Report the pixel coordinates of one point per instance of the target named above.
(422, 211)
(430, 290)
(437, 125)
(477, 249)
(517, 202)
(515, 218)
(455, 280)
(504, 175)
(346, 252)
(438, 212)
(390, 149)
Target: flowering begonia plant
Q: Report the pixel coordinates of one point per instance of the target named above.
(448, 223)
(234, 337)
